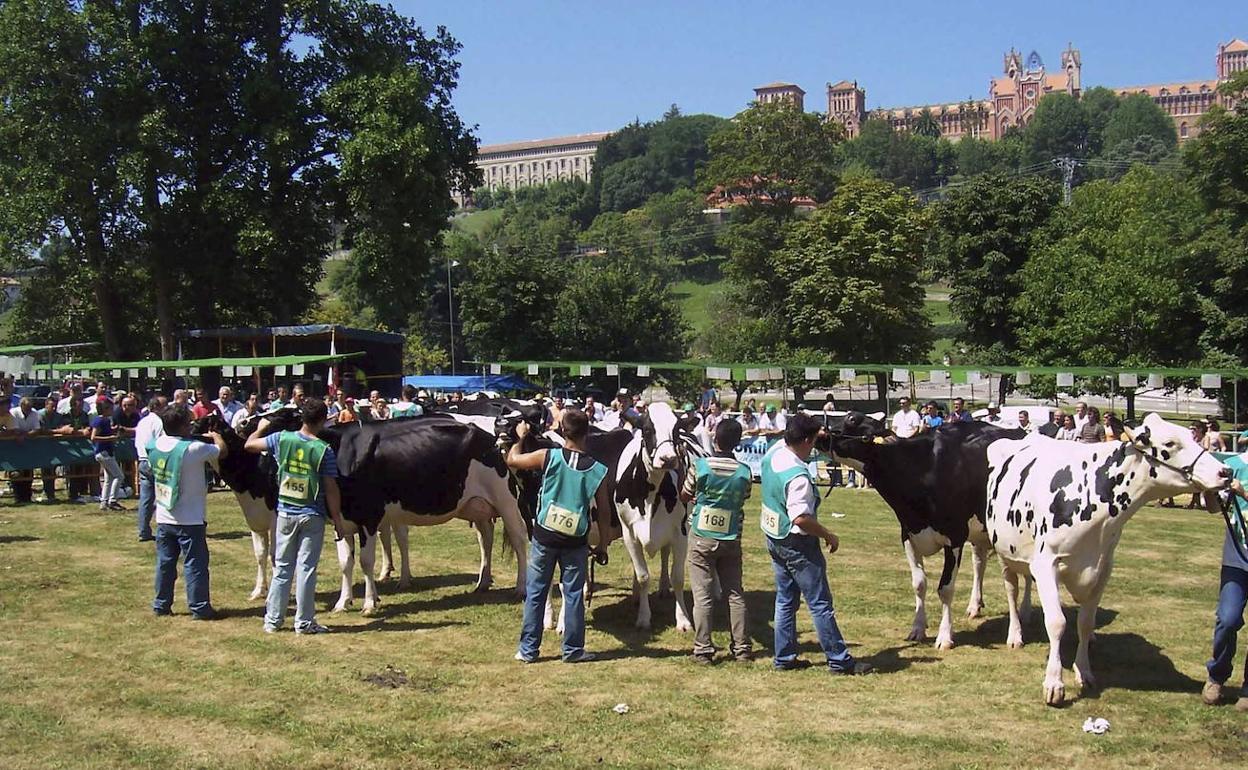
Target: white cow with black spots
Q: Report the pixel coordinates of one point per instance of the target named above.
(1056, 509)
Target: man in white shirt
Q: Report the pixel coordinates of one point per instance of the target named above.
(906, 422)
(179, 466)
(25, 420)
(790, 521)
(593, 410)
(1081, 416)
(227, 405)
(250, 408)
(770, 422)
(146, 432)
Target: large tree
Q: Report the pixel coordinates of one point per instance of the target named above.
(209, 146)
(1138, 116)
(774, 153)
(1059, 128)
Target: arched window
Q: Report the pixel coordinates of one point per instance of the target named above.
(1183, 130)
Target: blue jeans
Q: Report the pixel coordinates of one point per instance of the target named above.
(300, 537)
(801, 571)
(1230, 618)
(191, 542)
(147, 499)
(573, 566)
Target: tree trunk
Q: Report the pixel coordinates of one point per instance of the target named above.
(881, 385)
(739, 388)
(105, 297)
(1130, 396)
(1004, 386)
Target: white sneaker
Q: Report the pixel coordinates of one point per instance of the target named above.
(312, 628)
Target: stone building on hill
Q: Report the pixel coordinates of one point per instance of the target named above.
(525, 164)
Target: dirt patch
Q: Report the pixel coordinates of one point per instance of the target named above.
(391, 677)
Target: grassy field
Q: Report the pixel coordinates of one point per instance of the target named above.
(89, 678)
(695, 302)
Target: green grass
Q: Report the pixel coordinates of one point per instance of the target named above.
(695, 299)
(476, 222)
(944, 326)
(88, 678)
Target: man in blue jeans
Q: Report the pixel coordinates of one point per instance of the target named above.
(178, 464)
(789, 519)
(148, 430)
(1232, 598)
(307, 489)
(571, 483)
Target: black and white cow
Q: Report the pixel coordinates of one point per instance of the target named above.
(645, 463)
(934, 482)
(255, 489)
(421, 472)
(1056, 510)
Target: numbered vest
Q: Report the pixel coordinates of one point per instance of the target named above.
(298, 469)
(567, 494)
(167, 472)
(775, 521)
(719, 507)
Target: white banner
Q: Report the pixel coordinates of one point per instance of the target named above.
(193, 371)
(227, 371)
(134, 372)
(179, 372)
(715, 373)
(151, 371)
(1211, 381)
(116, 374)
(753, 375)
(532, 369)
(644, 371)
(243, 371)
(279, 371)
(613, 370)
(775, 373)
(973, 377)
(1065, 380)
(811, 373)
(938, 376)
(1128, 380)
(1022, 378)
(496, 368)
(297, 369)
(901, 375)
(587, 371)
(1156, 381)
(847, 375)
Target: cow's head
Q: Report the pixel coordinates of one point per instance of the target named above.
(849, 439)
(1179, 463)
(662, 433)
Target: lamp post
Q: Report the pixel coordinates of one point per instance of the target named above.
(450, 310)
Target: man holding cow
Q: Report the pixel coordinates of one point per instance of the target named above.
(790, 521)
(572, 483)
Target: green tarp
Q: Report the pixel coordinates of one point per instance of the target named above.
(46, 451)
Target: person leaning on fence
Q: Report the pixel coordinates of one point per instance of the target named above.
(103, 442)
(25, 422)
(789, 518)
(1232, 596)
(572, 483)
(307, 473)
(179, 468)
(718, 486)
(150, 428)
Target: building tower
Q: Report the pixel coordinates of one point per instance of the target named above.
(1232, 57)
(1072, 63)
(847, 105)
(781, 92)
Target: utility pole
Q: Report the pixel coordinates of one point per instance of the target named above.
(450, 312)
(1067, 165)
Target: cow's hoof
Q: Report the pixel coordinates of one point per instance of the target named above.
(405, 584)
(944, 643)
(1015, 644)
(685, 628)
(1087, 683)
(341, 607)
(385, 575)
(916, 635)
(549, 625)
(642, 625)
(256, 594)
(974, 611)
(518, 595)
(370, 612)
(1055, 695)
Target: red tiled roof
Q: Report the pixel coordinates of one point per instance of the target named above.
(779, 85)
(541, 144)
(1236, 45)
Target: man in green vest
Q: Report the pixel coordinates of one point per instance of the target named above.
(790, 521)
(307, 489)
(718, 487)
(571, 484)
(178, 465)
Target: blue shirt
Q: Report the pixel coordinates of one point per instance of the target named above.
(329, 467)
(102, 426)
(933, 421)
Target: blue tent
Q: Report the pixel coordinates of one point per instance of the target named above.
(469, 382)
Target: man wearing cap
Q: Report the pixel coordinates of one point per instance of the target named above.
(790, 521)
(770, 423)
(718, 486)
(906, 422)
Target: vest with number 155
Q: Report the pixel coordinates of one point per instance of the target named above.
(775, 521)
(298, 468)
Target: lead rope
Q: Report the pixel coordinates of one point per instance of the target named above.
(1230, 527)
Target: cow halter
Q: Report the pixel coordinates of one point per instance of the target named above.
(1188, 472)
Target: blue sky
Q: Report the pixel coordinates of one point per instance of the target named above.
(537, 69)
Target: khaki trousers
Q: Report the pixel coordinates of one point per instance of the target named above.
(709, 557)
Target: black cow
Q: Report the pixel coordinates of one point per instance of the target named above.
(935, 484)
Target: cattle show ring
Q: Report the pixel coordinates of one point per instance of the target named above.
(1027, 655)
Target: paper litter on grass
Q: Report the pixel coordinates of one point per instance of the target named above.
(1098, 726)
(621, 708)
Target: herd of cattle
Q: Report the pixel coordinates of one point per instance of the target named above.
(1052, 511)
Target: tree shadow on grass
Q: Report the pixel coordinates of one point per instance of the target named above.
(19, 539)
(230, 535)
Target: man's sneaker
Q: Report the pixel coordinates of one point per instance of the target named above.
(208, 614)
(162, 613)
(270, 629)
(1211, 694)
(312, 628)
(116, 506)
(744, 657)
(793, 665)
(703, 660)
(584, 657)
(859, 668)
(146, 538)
(520, 657)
